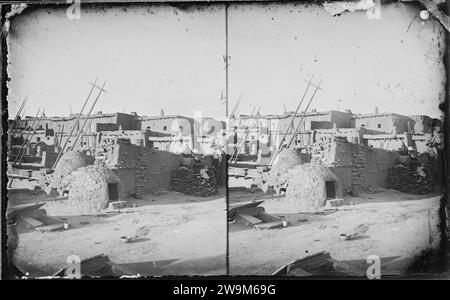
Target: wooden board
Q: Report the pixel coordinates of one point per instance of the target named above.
(269, 225)
(31, 222)
(48, 220)
(12, 212)
(248, 220)
(299, 272)
(52, 227)
(36, 213)
(347, 268)
(252, 211)
(233, 208)
(311, 262)
(267, 218)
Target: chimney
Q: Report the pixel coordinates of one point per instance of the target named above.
(162, 112)
(376, 110)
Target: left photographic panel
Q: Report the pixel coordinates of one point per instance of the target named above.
(115, 140)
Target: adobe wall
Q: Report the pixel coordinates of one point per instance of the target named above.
(422, 124)
(166, 125)
(341, 119)
(151, 168)
(128, 180)
(48, 158)
(384, 124)
(357, 166)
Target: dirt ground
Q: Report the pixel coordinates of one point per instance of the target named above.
(174, 234)
(400, 227)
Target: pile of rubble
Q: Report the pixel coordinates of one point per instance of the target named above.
(418, 180)
(189, 182)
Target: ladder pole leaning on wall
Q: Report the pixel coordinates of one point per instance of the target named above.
(26, 138)
(102, 89)
(61, 151)
(304, 114)
(17, 115)
(291, 123)
(32, 135)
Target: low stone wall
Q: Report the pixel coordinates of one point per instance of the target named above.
(357, 166)
(411, 180)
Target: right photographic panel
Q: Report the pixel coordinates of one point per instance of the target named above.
(334, 139)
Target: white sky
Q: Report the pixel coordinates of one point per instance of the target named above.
(366, 63)
(152, 58)
(160, 57)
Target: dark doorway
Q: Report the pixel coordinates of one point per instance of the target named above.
(113, 191)
(330, 187)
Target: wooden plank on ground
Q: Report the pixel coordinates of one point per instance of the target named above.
(346, 268)
(31, 222)
(268, 217)
(52, 227)
(252, 211)
(298, 272)
(269, 225)
(248, 220)
(311, 262)
(49, 220)
(232, 208)
(12, 212)
(35, 213)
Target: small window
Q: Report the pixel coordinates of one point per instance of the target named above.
(165, 128)
(379, 125)
(38, 139)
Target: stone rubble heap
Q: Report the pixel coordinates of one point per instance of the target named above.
(411, 180)
(189, 182)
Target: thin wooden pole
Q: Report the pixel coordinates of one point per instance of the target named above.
(32, 135)
(291, 123)
(26, 138)
(89, 114)
(17, 115)
(75, 124)
(303, 116)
